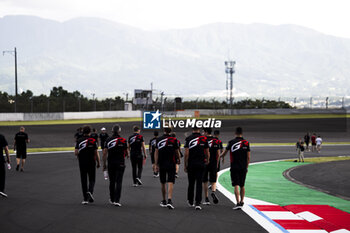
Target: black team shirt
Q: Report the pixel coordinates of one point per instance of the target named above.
(117, 149)
(214, 146)
(21, 141)
(220, 143)
(135, 142)
(196, 143)
(3, 143)
(239, 149)
(152, 144)
(103, 138)
(94, 136)
(166, 146)
(86, 146)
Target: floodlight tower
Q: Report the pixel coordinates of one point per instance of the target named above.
(230, 70)
(14, 52)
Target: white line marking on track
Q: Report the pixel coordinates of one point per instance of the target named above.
(308, 216)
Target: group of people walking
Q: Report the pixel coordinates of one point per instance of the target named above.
(304, 145)
(202, 155)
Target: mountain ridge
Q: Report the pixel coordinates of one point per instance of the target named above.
(282, 60)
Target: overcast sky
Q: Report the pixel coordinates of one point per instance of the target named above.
(327, 16)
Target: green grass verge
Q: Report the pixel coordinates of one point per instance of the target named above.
(323, 159)
(266, 182)
(48, 149)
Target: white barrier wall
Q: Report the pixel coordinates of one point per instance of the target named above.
(106, 114)
(11, 116)
(67, 115)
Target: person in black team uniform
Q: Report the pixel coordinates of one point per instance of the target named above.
(115, 150)
(239, 157)
(221, 148)
(20, 145)
(211, 169)
(103, 137)
(135, 144)
(181, 155)
(78, 134)
(3, 146)
(166, 156)
(196, 157)
(151, 149)
(94, 135)
(86, 151)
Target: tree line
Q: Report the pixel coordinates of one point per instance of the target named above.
(61, 100)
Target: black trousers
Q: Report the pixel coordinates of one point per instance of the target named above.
(2, 177)
(195, 178)
(87, 172)
(137, 164)
(115, 173)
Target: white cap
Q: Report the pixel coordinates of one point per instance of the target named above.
(103, 128)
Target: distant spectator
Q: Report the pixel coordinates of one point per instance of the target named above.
(307, 141)
(301, 152)
(318, 143)
(20, 146)
(297, 147)
(313, 142)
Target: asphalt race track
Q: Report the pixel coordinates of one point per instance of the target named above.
(255, 130)
(46, 198)
(332, 177)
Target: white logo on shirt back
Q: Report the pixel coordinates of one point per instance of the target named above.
(193, 143)
(112, 143)
(162, 143)
(236, 146)
(133, 139)
(82, 145)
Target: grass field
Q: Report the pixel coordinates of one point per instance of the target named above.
(232, 117)
(266, 182)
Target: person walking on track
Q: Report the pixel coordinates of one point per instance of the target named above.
(173, 134)
(196, 157)
(210, 172)
(103, 137)
(307, 141)
(89, 159)
(20, 146)
(239, 157)
(115, 150)
(151, 150)
(313, 142)
(166, 156)
(318, 143)
(3, 147)
(135, 145)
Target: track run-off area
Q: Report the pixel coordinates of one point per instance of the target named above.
(46, 198)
